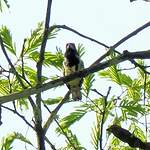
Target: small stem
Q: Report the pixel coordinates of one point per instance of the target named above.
(145, 116)
(38, 114)
(64, 133)
(54, 112)
(103, 117)
(21, 116)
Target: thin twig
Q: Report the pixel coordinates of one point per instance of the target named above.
(54, 112)
(78, 33)
(64, 133)
(103, 118)
(102, 57)
(21, 116)
(51, 145)
(38, 115)
(145, 116)
(22, 58)
(91, 108)
(94, 90)
(131, 34)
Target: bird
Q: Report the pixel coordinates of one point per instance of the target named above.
(73, 63)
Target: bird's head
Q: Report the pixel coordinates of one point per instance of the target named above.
(71, 49)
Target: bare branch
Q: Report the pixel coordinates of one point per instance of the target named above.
(64, 133)
(144, 100)
(51, 145)
(80, 34)
(21, 116)
(38, 115)
(103, 118)
(54, 112)
(131, 35)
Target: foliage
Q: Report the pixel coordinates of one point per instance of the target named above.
(7, 141)
(2, 2)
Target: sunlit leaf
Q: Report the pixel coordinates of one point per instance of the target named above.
(116, 76)
(33, 42)
(81, 50)
(73, 117)
(137, 131)
(95, 135)
(30, 74)
(88, 83)
(7, 39)
(4, 87)
(51, 101)
(51, 59)
(132, 108)
(2, 2)
(6, 143)
(73, 142)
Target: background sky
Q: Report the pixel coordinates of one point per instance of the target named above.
(104, 20)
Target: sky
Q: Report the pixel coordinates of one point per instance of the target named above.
(104, 20)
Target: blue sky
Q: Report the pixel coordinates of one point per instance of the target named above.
(104, 20)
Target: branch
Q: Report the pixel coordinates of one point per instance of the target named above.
(51, 145)
(43, 45)
(38, 114)
(131, 34)
(114, 61)
(21, 116)
(103, 118)
(64, 133)
(54, 112)
(100, 43)
(78, 33)
(144, 100)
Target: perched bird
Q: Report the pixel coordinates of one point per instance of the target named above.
(71, 64)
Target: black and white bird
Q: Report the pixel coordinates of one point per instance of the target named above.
(71, 64)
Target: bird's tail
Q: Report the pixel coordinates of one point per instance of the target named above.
(76, 93)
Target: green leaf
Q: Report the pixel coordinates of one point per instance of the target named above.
(4, 87)
(134, 90)
(141, 74)
(137, 131)
(88, 83)
(73, 117)
(30, 74)
(33, 42)
(7, 39)
(116, 76)
(10, 138)
(73, 142)
(132, 108)
(55, 60)
(1, 4)
(81, 50)
(23, 104)
(95, 135)
(112, 73)
(51, 101)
